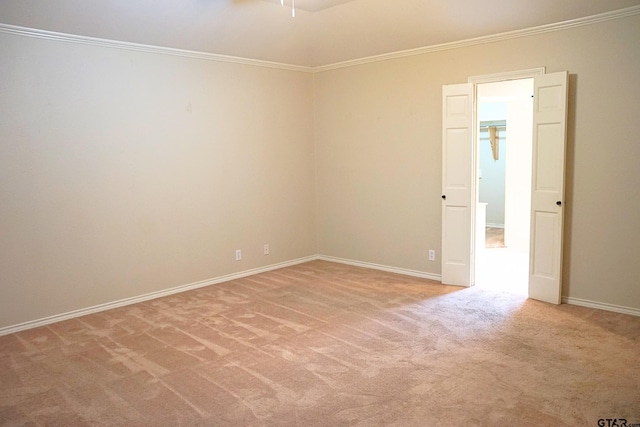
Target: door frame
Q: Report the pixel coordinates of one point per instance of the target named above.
(530, 73)
(459, 119)
(476, 80)
(506, 76)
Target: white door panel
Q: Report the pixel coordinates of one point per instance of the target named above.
(457, 184)
(547, 195)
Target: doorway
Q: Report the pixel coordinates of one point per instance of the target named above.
(503, 147)
(460, 183)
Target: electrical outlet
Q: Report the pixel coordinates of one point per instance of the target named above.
(265, 250)
(238, 254)
(432, 255)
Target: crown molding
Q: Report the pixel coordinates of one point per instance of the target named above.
(93, 41)
(115, 44)
(542, 29)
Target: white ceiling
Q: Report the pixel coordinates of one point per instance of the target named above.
(323, 31)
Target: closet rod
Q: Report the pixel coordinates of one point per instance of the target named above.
(493, 126)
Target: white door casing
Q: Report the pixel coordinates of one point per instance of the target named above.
(458, 187)
(547, 197)
(547, 187)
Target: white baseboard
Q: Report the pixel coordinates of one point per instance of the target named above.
(602, 306)
(146, 297)
(373, 266)
(565, 300)
(183, 288)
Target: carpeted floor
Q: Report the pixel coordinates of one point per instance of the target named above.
(494, 237)
(324, 344)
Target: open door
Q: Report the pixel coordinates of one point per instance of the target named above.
(457, 184)
(547, 195)
(547, 192)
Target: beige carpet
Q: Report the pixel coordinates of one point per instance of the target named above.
(494, 237)
(323, 344)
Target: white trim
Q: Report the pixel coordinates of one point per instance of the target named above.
(602, 306)
(115, 44)
(508, 75)
(559, 26)
(146, 297)
(403, 271)
(196, 285)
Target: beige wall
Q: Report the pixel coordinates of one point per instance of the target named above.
(378, 148)
(124, 173)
